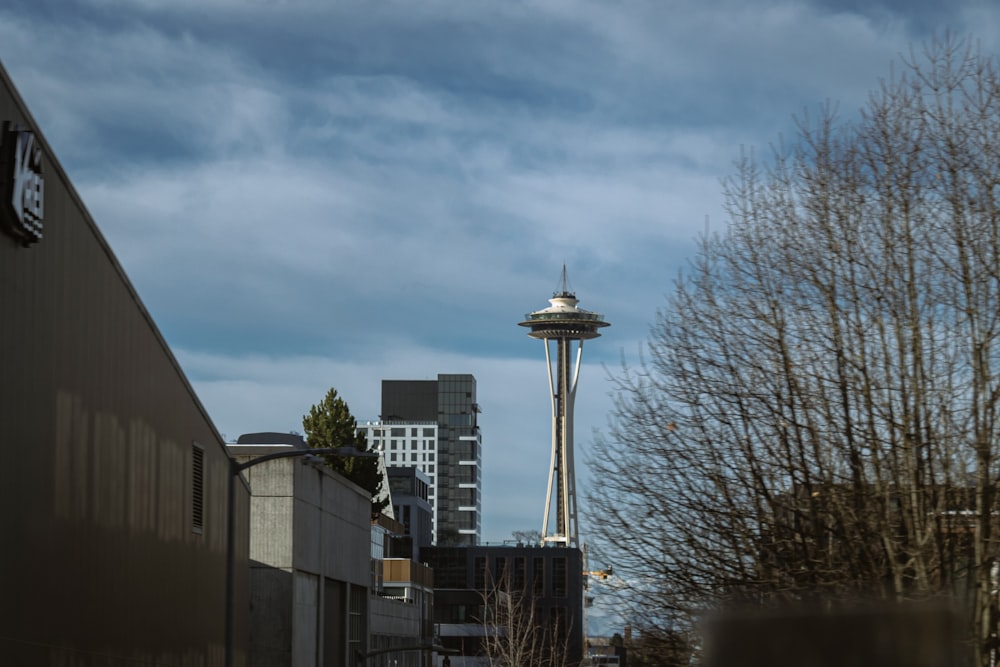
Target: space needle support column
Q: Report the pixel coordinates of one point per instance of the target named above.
(563, 323)
(570, 467)
(562, 523)
(555, 438)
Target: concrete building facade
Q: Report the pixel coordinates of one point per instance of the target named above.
(310, 564)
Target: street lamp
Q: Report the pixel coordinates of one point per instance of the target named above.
(235, 468)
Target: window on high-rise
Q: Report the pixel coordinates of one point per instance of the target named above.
(538, 576)
(518, 574)
(449, 570)
(479, 573)
(559, 584)
(500, 573)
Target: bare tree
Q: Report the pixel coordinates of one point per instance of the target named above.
(518, 632)
(528, 536)
(815, 414)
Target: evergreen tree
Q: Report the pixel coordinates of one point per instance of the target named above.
(330, 424)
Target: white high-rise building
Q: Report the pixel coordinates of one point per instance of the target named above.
(433, 425)
(408, 444)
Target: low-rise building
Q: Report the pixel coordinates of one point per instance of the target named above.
(473, 583)
(402, 605)
(310, 564)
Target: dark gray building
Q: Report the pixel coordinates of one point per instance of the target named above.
(456, 469)
(113, 480)
(546, 581)
(410, 505)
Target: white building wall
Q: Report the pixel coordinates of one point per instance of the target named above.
(409, 445)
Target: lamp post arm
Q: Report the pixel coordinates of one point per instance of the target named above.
(320, 451)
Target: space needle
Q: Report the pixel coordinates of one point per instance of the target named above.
(562, 323)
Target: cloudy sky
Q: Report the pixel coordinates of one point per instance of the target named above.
(309, 193)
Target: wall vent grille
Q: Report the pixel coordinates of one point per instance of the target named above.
(197, 488)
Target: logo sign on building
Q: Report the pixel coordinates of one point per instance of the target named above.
(23, 187)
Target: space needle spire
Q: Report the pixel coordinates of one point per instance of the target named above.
(561, 325)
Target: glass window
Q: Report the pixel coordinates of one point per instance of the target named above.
(396, 592)
(479, 582)
(559, 577)
(500, 574)
(518, 573)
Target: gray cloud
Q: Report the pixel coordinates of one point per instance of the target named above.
(318, 194)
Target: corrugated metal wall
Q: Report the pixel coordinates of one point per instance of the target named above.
(100, 562)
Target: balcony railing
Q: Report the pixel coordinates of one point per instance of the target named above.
(566, 315)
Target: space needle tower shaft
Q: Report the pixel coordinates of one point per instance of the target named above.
(562, 326)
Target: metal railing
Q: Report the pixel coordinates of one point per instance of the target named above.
(568, 315)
